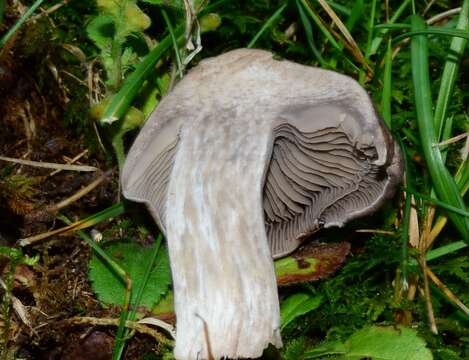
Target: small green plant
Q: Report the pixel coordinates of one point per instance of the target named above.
(134, 259)
(14, 257)
(375, 342)
(117, 32)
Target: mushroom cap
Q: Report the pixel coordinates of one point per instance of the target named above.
(330, 157)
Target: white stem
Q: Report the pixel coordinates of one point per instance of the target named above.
(226, 296)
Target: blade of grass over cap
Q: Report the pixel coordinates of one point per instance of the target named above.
(131, 86)
(450, 71)
(309, 35)
(443, 183)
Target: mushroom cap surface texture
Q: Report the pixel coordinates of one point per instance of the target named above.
(241, 162)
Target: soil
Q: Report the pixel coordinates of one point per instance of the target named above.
(34, 106)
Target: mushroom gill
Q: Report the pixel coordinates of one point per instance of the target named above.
(241, 162)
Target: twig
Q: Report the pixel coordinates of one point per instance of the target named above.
(343, 29)
(49, 211)
(429, 5)
(79, 194)
(71, 161)
(159, 323)
(452, 140)
(414, 230)
(115, 322)
(428, 298)
(433, 20)
(451, 296)
(376, 231)
(48, 11)
(426, 240)
(49, 165)
(113, 211)
(443, 15)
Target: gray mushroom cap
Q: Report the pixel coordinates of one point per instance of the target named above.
(329, 159)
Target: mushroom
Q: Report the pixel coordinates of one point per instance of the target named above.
(242, 161)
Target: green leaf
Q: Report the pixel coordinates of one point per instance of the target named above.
(450, 71)
(376, 343)
(443, 182)
(297, 305)
(101, 31)
(133, 258)
(386, 343)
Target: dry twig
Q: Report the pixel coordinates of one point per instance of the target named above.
(49, 165)
(115, 322)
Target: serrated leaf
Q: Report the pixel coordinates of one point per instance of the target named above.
(386, 343)
(101, 31)
(377, 343)
(297, 305)
(177, 4)
(134, 259)
(458, 267)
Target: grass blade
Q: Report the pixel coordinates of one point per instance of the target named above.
(439, 203)
(123, 333)
(387, 87)
(327, 33)
(355, 14)
(378, 39)
(450, 70)
(345, 33)
(174, 40)
(445, 186)
(434, 31)
(371, 24)
(129, 90)
(267, 24)
(404, 235)
(20, 22)
(110, 212)
(309, 35)
(445, 250)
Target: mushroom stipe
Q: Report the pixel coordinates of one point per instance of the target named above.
(246, 158)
